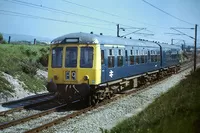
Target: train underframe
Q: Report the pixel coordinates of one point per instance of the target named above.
(92, 95)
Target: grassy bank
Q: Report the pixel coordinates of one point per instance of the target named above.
(177, 111)
(22, 62)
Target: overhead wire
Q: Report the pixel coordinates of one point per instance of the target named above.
(76, 14)
(12, 13)
(111, 14)
(57, 10)
(167, 13)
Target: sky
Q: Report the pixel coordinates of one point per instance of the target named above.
(102, 17)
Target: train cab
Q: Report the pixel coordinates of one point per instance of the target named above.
(73, 65)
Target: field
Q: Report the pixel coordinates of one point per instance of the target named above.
(177, 111)
(22, 62)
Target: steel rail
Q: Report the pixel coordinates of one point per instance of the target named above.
(3, 113)
(25, 119)
(27, 99)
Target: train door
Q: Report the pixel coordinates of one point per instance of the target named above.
(103, 66)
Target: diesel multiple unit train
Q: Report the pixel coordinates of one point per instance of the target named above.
(92, 67)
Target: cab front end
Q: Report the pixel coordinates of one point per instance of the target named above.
(73, 70)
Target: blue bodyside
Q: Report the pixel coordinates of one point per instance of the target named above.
(127, 70)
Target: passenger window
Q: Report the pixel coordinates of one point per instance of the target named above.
(102, 56)
(131, 57)
(131, 60)
(111, 59)
(119, 58)
(120, 61)
(137, 59)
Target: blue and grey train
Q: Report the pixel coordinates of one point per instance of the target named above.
(93, 67)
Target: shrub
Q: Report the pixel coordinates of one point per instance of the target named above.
(28, 52)
(43, 60)
(34, 53)
(43, 50)
(4, 42)
(29, 67)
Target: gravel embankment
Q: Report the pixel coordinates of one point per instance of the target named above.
(19, 91)
(109, 115)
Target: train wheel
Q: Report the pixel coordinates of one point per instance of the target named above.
(94, 99)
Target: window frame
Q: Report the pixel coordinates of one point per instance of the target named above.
(61, 57)
(88, 56)
(76, 57)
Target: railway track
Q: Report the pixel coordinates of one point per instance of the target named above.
(31, 117)
(28, 103)
(27, 100)
(78, 113)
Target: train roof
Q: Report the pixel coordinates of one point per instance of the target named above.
(168, 46)
(86, 38)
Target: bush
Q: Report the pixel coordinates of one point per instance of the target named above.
(28, 52)
(4, 42)
(43, 60)
(29, 67)
(43, 50)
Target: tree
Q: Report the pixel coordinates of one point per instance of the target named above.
(1, 37)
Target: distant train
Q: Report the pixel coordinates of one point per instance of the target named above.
(92, 67)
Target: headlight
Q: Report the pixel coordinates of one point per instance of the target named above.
(67, 75)
(73, 75)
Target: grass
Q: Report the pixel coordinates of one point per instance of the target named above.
(177, 111)
(22, 62)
